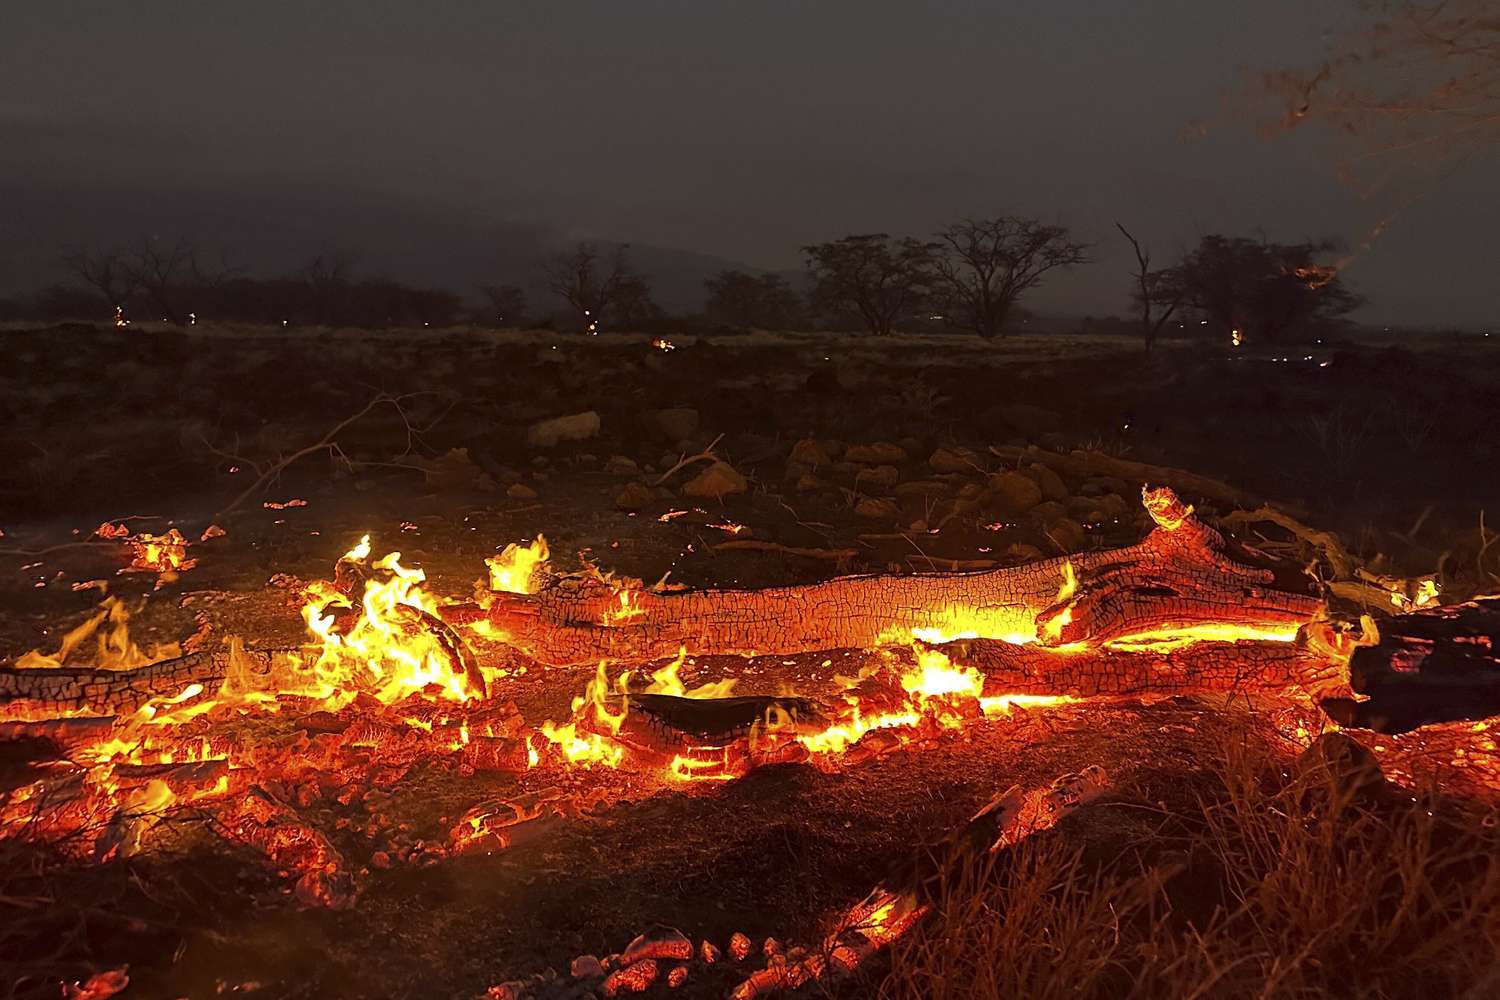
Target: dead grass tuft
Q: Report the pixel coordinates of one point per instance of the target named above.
(1269, 886)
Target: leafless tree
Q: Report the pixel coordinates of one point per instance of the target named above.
(162, 270)
(105, 272)
(1421, 80)
(1157, 293)
(581, 279)
(879, 278)
(327, 277)
(986, 264)
(507, 303)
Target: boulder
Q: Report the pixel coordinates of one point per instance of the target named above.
(635, 497)
(1053, 487)
(718, 480)
(621, 465)
(879, 453)
(1066, 534)
(881, 477)
(551, 433)
(520, 491)
(1014, 493)
(956, 460)
(876, 509)
(810, 453)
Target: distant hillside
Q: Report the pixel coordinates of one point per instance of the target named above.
(273, 234)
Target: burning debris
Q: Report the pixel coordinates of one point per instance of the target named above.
(396, 680)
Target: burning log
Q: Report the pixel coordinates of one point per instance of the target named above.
(1182, 576)
(52, 692)
(1246, 666)
(1435, 665)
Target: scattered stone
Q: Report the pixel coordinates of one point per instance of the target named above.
(809, 483)
(665, 942)
(551, 433)
(796, 470)
(877, 509)
(921, 488)
(636, 978)
(1339, 762)
(709, 952)
(879, 476)
(520, 491)
(1029, 419)
(1014, 493)
(917, 527)
(1048, 511)
(970, 491)
(677, 976)
(1053, 487)
(586, 967)
(1114, 505)
(1023, 552)
(453, 470)
(635, 497)
(1066, 534)
(956, 460)
(514, 989)
(678, 423)
(739, 946)
(621, 465)
(810, 453)
(718, 480)
(879, 453)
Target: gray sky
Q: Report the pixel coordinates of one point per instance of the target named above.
(737, 129)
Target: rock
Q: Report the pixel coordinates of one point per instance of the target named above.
(772, 948)
(718, 480)
(808, 483)
(1054, 440)
(876, 509)
(1048, 511)
(708, 952)
(1029, 419)
(739, 946)
(918, 527)
(551, 433)
(970, 491)
(956, 460)
(454, 470)
(586, 967)
(678, 423)
(1053, 487)
(520, 491)
(664, 942)
(1066, 534)
(636, 978)
(1014, 493)
(1338, 762)
(879, 476)
(1114, 505)
(796, 470)
(1022, 552)
(921, 488)
(677, 977)
(879, 453)
(810, 453)
(621, 465)
(635, 497)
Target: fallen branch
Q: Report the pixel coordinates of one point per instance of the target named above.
(706, 455)
(757, 545)
(1083, 464)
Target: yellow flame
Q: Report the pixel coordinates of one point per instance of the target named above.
(515, 569)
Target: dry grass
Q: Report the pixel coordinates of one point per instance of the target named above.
(1269, 887)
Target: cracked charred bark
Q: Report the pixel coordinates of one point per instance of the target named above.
(1182, 575)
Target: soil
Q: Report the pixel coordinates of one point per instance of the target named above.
(169, 427)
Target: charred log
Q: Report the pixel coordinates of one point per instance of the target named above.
(1242, 667)
(46, 692)
(1182, 575)
(1437, 665)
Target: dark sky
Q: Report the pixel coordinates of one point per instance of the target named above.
(736, 129)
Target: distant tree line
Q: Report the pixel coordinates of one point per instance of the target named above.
(970, 275)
